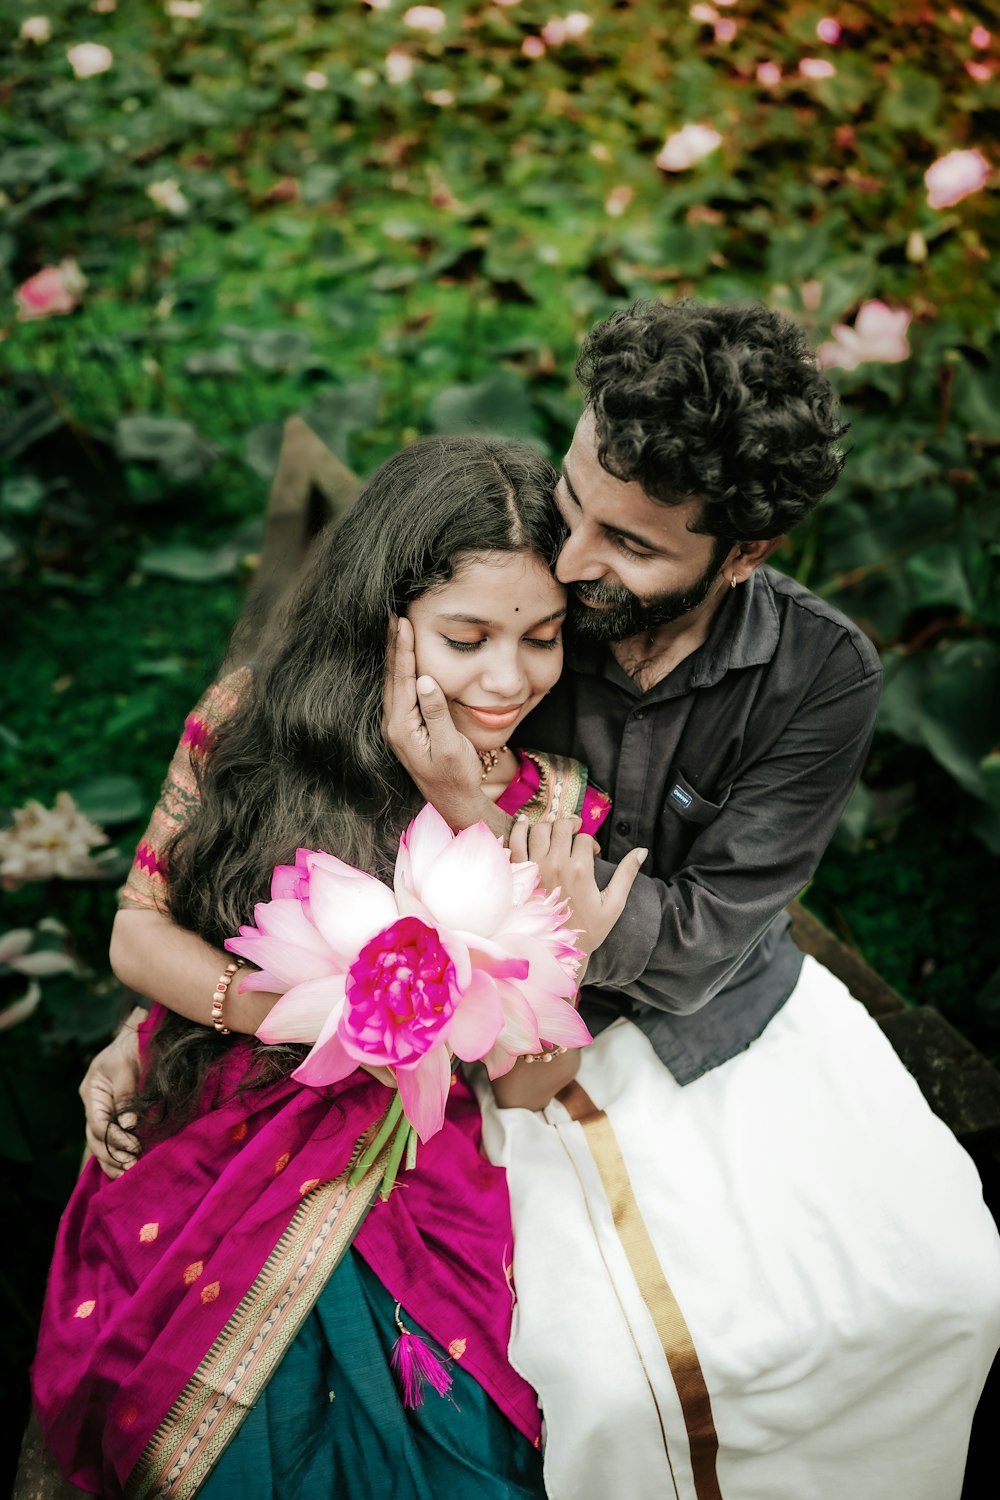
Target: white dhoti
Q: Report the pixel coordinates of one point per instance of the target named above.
(779, 1282)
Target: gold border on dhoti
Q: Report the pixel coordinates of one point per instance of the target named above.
(219, 1396)
(674, 1335)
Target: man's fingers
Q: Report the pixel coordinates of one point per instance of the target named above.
(433, 704)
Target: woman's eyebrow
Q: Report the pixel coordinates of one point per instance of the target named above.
(557, 614)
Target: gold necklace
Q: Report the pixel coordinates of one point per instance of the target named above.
(488, 760)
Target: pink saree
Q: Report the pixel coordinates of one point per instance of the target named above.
(176, 1288)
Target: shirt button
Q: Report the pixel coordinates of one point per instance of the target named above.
(623, 827)
(640, 713)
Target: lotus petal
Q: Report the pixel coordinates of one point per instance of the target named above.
(560, 1024)
(326, 1063)
(469, 887)
(519, 1032)
(427, 837)
(423, 1088)
(525, 879)
(349, 911)
(301, 1014)
(286, 962)
(476, 1023)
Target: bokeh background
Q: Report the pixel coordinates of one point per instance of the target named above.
(392, 220)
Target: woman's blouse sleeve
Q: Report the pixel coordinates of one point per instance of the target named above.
(554, 786)
(146, 885)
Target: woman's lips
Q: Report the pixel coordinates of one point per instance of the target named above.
(495, 718)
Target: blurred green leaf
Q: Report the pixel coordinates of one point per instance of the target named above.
(173, 447)
(500, 404)
(110, 800)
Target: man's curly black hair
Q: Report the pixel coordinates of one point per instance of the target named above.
(722, 403)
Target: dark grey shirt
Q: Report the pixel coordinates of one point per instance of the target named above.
(733, 771)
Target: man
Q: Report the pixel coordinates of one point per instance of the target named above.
(762, 1258)
(769, 1267)
(726, 709)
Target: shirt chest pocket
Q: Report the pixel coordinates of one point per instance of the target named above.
(682, 801)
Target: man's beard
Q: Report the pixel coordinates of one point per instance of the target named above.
(625, 614)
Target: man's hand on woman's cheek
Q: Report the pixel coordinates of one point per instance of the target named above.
(419, 730)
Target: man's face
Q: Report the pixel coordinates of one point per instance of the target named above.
(631, 564)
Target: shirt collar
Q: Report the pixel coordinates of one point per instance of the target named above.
(744, 633)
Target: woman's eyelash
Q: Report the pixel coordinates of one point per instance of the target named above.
(528, 640)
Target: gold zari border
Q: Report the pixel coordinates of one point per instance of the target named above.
(219, 1396)
(674, 1335)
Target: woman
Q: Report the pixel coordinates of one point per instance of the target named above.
(220, 1317)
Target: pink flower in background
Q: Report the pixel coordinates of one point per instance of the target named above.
(816, 67)
(879, 334)
(89, 58)
(618, 200)
(980, 71)
(954, 176)
(706, 14)
(56, 289)
(560, 29)
(533, 47)
(979, 36)
(36, 29)
(828, 30)
(687, 146)
(398, 65)
(425, 18)
(725, 29)
(466, 957)
(768, 75)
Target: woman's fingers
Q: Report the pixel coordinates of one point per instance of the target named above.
(615, 893)
(518, 841)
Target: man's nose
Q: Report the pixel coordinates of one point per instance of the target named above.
(576, 562)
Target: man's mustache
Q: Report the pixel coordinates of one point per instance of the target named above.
(602, 593)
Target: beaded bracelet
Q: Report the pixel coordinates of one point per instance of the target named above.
(224, 981)
(544, 1056)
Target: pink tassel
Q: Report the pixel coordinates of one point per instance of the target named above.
(417, 1366)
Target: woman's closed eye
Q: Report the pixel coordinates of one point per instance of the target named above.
(529, 640)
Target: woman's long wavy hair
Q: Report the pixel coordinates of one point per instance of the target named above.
(302, 762)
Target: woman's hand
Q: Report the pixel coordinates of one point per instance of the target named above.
(531, 1085)
(565, 859)
(108, 1085)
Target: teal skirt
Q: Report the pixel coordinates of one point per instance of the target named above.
(331, 1424)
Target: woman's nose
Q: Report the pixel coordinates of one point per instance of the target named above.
(504, 677)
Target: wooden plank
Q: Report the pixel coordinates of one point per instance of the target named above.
(311, 487)
(809, 934)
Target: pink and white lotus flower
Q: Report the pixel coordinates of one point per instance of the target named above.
(467, 956)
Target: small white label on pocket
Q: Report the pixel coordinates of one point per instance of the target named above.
(680, 796)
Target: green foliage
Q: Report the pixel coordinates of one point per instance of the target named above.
(316, 209)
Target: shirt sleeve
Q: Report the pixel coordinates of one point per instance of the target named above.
(680, 940)
(145, 887)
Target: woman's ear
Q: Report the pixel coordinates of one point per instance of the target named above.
(748, 558)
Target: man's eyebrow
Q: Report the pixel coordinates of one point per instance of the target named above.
(631, 536)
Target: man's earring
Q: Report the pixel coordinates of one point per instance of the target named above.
(732, 580)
